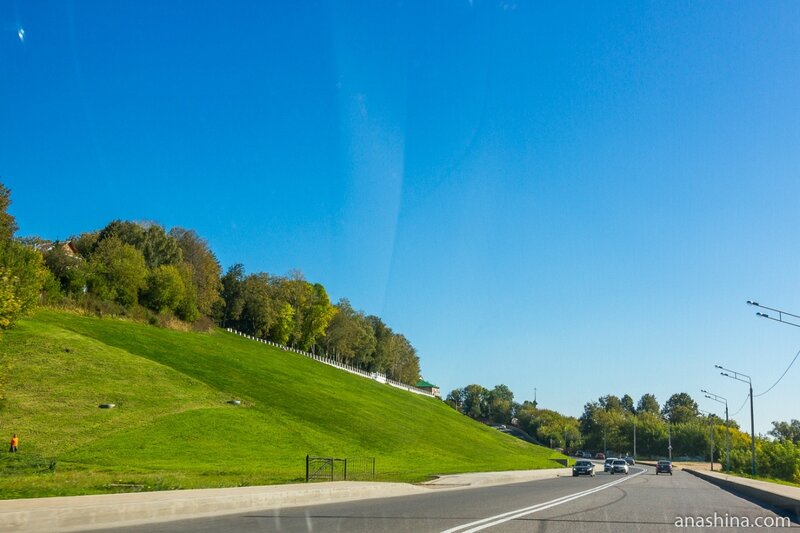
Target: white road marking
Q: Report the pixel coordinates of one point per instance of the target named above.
(511, 515)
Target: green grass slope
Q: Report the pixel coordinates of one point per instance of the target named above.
(172, 427)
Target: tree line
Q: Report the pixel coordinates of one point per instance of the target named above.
(497, 406)
(609, 424)
(167, 277)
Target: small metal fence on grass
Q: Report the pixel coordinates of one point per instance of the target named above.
(339, 469)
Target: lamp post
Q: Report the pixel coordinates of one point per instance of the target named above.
(669, 440)
(720, 399)
(745, 379)
(634, 436)
(781, 314)
(710, 416)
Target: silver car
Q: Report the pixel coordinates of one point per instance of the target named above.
(619, 466)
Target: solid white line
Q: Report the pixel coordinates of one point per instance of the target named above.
(511, 515)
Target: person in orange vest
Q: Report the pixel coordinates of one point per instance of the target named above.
(14, 443)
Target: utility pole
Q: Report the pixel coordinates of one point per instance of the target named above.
(720, 399)
(711, 429)
(745, 379)
(752, 432)
(783, 320)
(669, 437)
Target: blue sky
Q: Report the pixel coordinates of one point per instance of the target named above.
(575, 198)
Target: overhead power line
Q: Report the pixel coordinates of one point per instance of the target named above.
(742, 407)
(782, 375)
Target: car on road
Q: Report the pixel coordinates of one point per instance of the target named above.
(607, 464)
(579, 453)
(619, 466)
(587, 455)
(585, 468)
(630, 460)
(664, 467)
(600, 455)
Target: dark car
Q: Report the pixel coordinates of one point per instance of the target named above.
(600, 455)
(630, 460)
(664, 467)
(583, 468)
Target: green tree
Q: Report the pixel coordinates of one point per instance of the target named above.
(284, 324)
(156, 246)
(318, 314)
(259, 309)
(648, 404)
(350, 336)
(610, 402)
(8, 225)
(407, 369)
(233, 296)
(206, 270)
(680, 408)
(187, 306)
(500, 402)
(117, 272)
(475, 401)
(786, 431)
(455, 399)
(651, 431)
(22, 270)
(69, 270)
(165, 289)
(627, 404)
(85, 243)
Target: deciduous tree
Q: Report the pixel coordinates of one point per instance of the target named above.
(117, 272)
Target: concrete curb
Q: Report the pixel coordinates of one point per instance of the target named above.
(488, 479)
(82, 513)
(778, 496)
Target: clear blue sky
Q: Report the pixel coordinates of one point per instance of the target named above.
(577, 198)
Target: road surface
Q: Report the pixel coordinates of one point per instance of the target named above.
(641, 502)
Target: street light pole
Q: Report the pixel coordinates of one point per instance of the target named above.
(669, 437)
(634, 437)
(781, 314)
(745, 379)
(720, 399)
(793, 321)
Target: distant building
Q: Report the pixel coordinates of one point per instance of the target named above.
(67, 248)
(430, 387)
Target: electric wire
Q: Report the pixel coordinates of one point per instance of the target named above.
(782, 375)
(742, 407)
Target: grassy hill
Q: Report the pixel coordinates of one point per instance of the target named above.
(173, 427)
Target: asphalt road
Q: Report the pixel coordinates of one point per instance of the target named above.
(640, 501)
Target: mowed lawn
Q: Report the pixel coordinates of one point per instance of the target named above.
(174, 428)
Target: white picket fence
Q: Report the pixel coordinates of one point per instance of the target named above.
(377, 376)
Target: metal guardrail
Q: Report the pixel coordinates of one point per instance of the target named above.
(377, 376)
